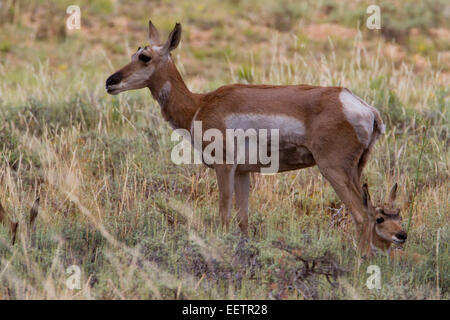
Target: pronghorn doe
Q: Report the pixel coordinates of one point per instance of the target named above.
(325, 126)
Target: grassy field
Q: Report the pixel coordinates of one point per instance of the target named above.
(139, 226)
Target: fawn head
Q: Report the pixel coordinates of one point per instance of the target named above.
(387, 228)
(148, 63)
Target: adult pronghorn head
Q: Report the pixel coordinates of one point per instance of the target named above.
(147, 63)
(386, 221)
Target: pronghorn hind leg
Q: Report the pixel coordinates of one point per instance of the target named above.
(241, 189)
(225, 181)
(345, 183)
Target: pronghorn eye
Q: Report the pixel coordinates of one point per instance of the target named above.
(380, 220)
(144, 58)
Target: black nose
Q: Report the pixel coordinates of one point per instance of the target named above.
(114, 79)
(401, 235)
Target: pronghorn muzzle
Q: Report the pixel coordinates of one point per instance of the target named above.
(112, 82)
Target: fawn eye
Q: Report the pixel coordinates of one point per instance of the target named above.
(380, 220)
(144, 58)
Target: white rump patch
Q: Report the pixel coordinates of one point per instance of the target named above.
(359, 114)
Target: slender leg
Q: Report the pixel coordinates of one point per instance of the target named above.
(241, 189)
(339, 158)
(225, 180)
(349, 192)
(346, 190)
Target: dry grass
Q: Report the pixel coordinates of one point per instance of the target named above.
(140, 227)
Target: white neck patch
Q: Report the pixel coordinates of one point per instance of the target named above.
(164, 94)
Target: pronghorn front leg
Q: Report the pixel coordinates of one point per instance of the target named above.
(241, 189)
(225, 181)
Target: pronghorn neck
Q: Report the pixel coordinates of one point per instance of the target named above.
(178, 103)
(378, 242)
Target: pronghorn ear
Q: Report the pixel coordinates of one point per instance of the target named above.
(173, 40)
(393, 194)
(153, 34)
(366, 196)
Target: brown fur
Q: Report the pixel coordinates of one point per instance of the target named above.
(382, 234)
(330, 141)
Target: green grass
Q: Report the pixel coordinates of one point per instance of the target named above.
(141, 227)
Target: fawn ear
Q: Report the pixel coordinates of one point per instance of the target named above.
(173, 40)
(153, 34)
(393, 194)
(366, 196)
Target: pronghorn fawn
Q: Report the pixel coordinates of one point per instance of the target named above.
(386, 229)
(325, 126)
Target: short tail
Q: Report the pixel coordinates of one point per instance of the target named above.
(378, 129)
